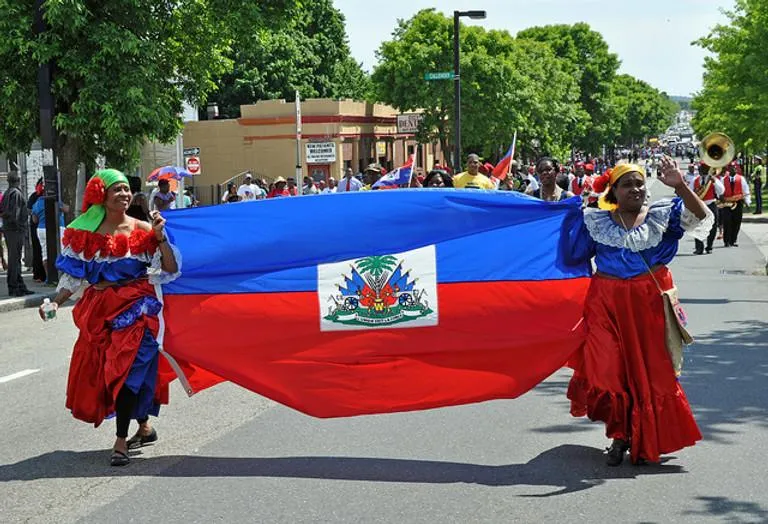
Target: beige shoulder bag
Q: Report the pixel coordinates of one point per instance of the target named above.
(674, 316)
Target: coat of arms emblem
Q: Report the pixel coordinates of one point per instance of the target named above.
(381, 291)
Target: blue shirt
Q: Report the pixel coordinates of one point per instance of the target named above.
(38, 209)
(622, 253)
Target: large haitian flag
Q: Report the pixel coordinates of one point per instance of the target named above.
(373, 302)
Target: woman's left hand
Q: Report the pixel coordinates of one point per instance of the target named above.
(158, 224)
(670, 175)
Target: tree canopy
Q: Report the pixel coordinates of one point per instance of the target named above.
(308, 53)
(587, 58)
(640, 110)
(507, 84)
(734, 98)
(122, 69)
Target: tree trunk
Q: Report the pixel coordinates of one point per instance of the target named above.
(68, 153)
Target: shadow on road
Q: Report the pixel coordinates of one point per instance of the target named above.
(570, 468)
(725, 375)
(730, 510)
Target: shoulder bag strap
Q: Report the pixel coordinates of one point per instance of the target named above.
(645, 262)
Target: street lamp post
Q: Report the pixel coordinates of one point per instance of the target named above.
(474, 15)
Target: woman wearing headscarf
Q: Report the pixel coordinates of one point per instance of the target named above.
(624, 375)
(115, 365)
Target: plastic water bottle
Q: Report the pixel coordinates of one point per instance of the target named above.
(49, 310)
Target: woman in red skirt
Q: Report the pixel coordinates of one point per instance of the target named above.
(624, 375)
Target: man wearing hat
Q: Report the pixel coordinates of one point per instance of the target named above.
(279, 190)
(15, 218)
(349, 182)
(371, 175)
(709, 189)
(758, 177)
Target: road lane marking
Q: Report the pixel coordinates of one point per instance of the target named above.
(20, 374)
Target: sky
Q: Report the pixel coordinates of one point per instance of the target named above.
(651, 37)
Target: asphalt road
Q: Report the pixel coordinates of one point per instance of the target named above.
(227, 455)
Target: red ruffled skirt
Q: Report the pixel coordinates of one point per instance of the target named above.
(623, 374)
(102, 357)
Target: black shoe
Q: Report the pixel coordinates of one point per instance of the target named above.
(118, 458)
(697, 252)
(615, 454)
(24, 293)
(138, 440)
(734, 245)
(709, 251)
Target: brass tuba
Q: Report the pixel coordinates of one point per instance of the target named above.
(717, 150)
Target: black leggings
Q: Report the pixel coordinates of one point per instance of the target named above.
(126, 403)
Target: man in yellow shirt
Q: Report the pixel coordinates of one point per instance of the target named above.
(471, 178)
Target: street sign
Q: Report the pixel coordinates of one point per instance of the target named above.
(193, 165)
(191, 151)
(408, 124)
(321, 152)
(446, 75)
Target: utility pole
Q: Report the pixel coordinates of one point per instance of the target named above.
(299, 169)
(47, 142)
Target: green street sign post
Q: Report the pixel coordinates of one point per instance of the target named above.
(448, 75)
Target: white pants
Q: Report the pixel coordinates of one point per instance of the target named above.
(43, 237)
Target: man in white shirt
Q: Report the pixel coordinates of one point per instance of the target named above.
(331, 186)
(250, 191)
(349, 182)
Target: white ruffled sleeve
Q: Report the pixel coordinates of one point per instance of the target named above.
(70, 283)
(155, 272)
(697, 228)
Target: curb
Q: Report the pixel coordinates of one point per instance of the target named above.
(29, 301)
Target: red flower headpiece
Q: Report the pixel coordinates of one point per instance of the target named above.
(95, 192)
(600, 183)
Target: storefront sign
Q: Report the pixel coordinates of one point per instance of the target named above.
(321, 152)
(408, 124)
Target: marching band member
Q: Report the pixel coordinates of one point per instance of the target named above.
(580, 181)
(732, 206)
(710, 189)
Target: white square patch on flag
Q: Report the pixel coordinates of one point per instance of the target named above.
(378, 292)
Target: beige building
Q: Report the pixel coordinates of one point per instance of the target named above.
(336, 134)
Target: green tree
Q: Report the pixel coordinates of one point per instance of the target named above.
(734, 97)
(122, 69)
(594, 67)
(641, 110)
(507, 85)
(309, 53)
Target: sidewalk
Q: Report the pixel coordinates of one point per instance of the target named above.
(13, 303)
(756, 227)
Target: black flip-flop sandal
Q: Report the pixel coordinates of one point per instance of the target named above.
(119, 458)
(139, 440)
